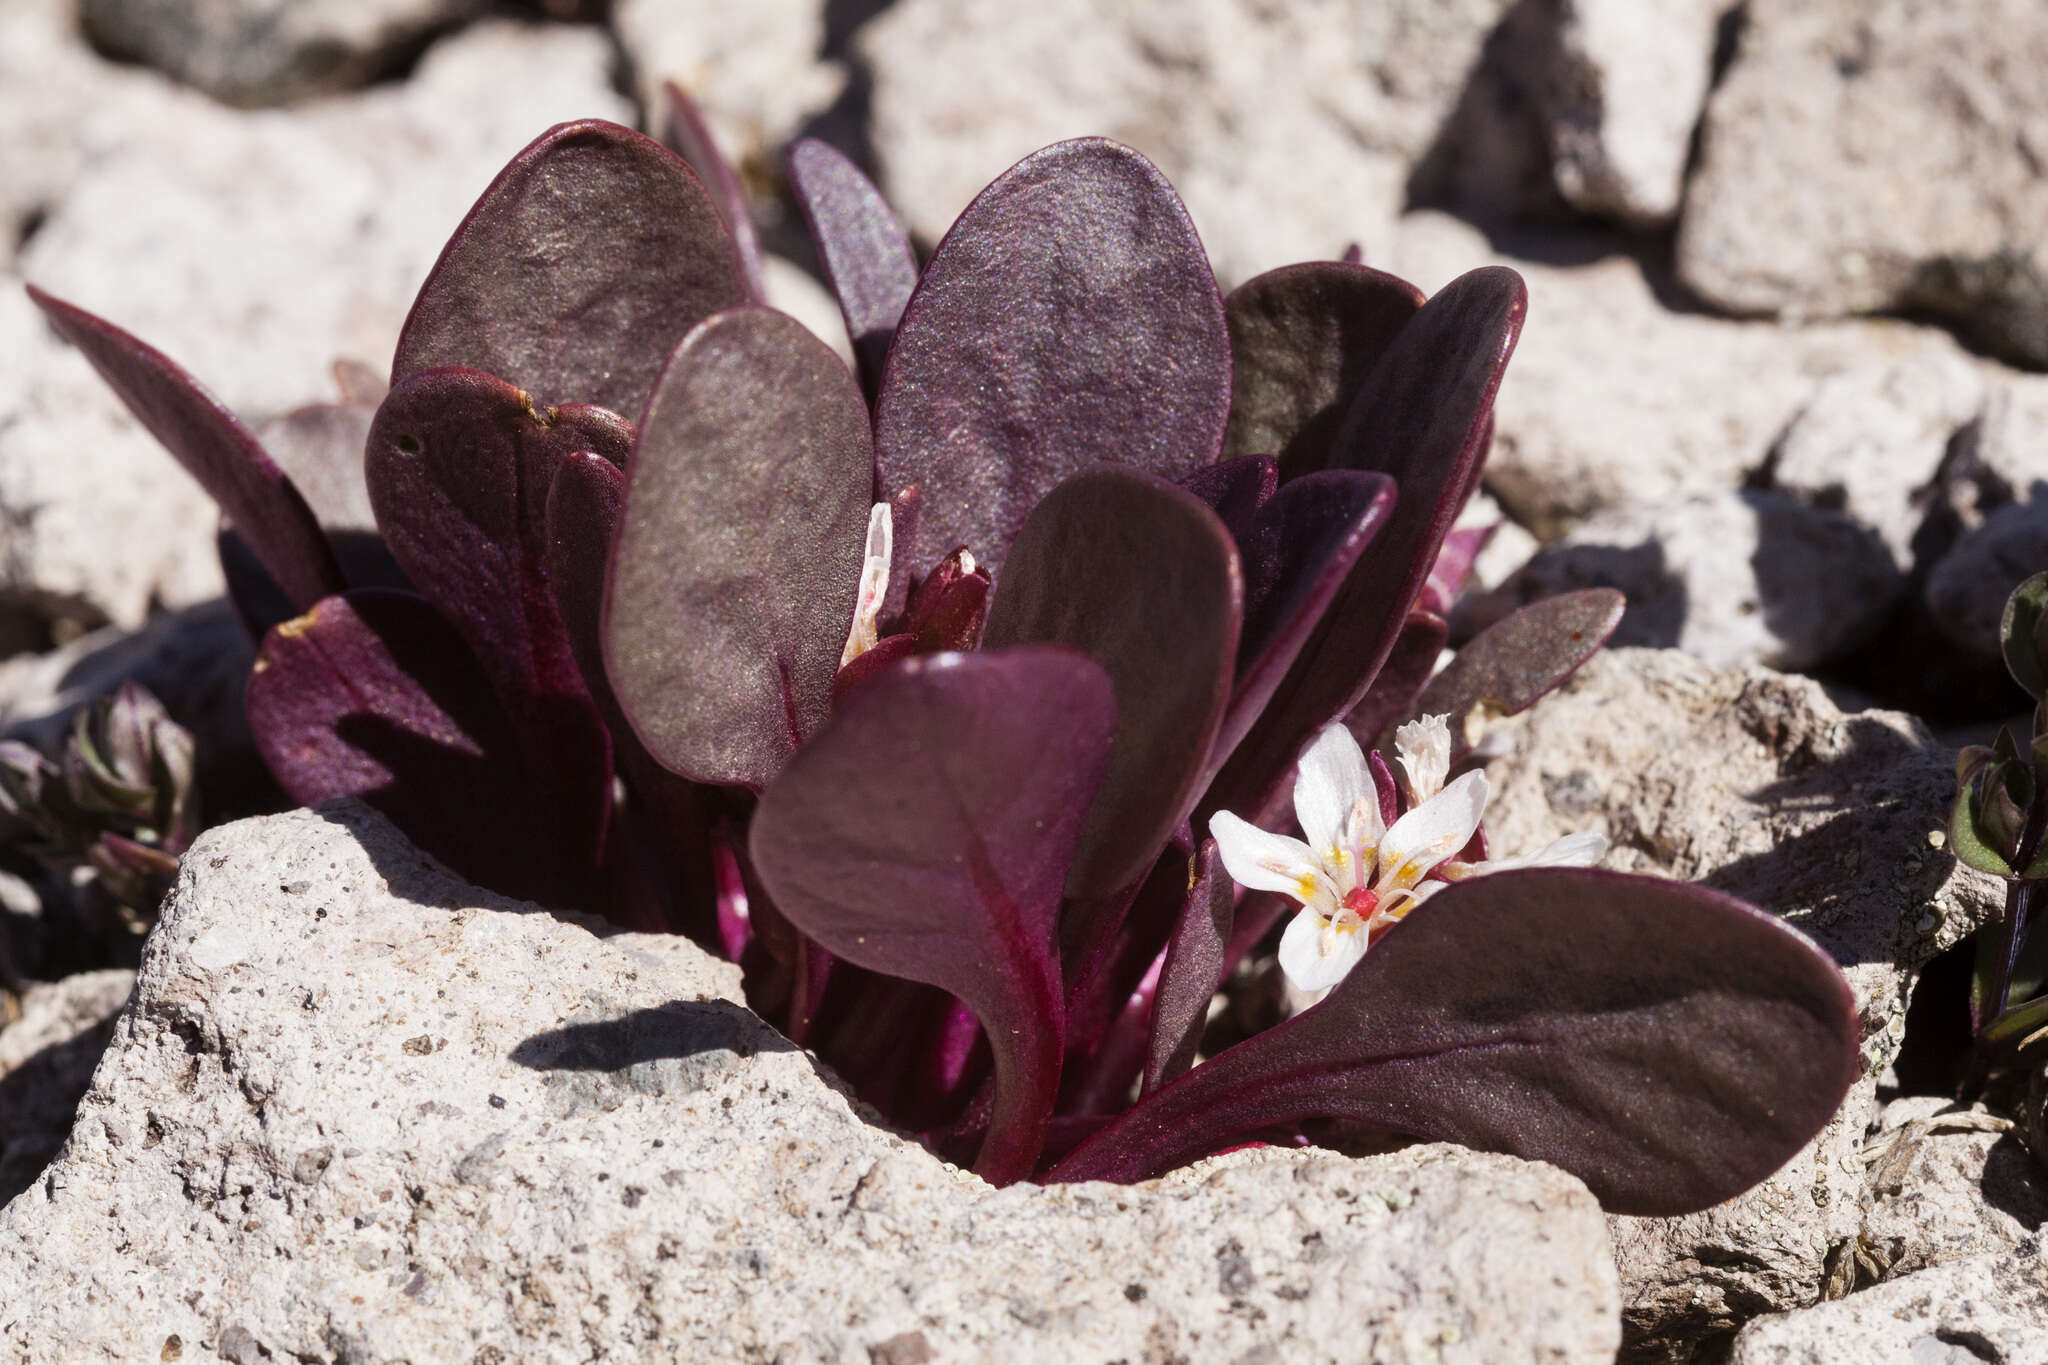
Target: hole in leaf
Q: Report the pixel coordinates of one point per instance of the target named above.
(409, 444)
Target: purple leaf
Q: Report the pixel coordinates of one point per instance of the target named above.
(215, 449)
(1144, 578)
(577, 272)
(949, 609)
(1667, 1044)
(1391, 698)
(1068, 318)
(1303, 338)
(925, 831)
(584, 505)
(690, 138)
(1517, 659)
(1298, 552)
(1421, 418)
(374, 695)
(737, 565)
(865, 252)
(460, 467)
(1235, 488)
(1193, 970)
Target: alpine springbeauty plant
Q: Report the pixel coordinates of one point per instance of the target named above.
(959, 696)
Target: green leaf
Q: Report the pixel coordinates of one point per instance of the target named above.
(1968, 844)
(2020, 635)
(2016, 1023)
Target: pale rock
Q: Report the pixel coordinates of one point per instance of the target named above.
(1733, 578)
(2011, 452)
(792, 289)
(757, 72)
(1871, 441)
(1613, 398)
(1862, 155)
(1619, 93)
(361, 1111)
(270, 51)
(255, 248)
(1940, 1187)
(1290, 130)
(47, 1056)
(1992, 1308)
(1966, 593)
(1752, 782)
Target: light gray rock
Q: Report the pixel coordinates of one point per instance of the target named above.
(1993, 1308)
(2012, 443)
(1879, 154)
(359, 1110)
(270, 51)
(1943, 1186)
(1966, 592)
(1733, 578)
(1754, 783)
(1621, 88)
(1289, 129)
(47, 1056)
(1871, 441)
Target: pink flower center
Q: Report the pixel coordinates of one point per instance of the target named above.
(1362, 901)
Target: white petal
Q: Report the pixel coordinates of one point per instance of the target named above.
(874, 584)
(1433, 831)
(1269, 862)
(1424, 750)
(1328, 783)
(1302, 956)
(1583, 849)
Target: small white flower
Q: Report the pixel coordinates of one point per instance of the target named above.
(874, 586)
(1355, 877)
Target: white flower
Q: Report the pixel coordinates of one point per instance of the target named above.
(1355, 876)
(874, 585)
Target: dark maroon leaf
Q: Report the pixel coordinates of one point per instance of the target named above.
(215, 449)
(374, 695)
(948, 609)
(857, 670)
(1069, 318)
(1236, 488)
(1517, 659)
(690, 138)
(1391, 698)
(1669, 1045)
(865, 252)
(739, 559)
(577, 272)
(584, 505)
(1461, 548)
(925, 831)
(1303, 338)
(1297, 553)
(1421, 418)
(460, 468)
(1144, 578)
(1193, 971)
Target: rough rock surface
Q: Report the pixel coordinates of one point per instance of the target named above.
(47, 1056)
(1733, 578)
(1966, 592)
(361, 1111)
(1290, 130)
(1871, 441)
(1620, 90)
(1941, 1185)
(269, 51)
(1752, 782)
(1877, 154)
(1993, 1308)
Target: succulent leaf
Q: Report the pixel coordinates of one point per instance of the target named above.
(1193, 969)
(2019, 635)
(689, 137)
(1508, 666)
(1235, 489)
(864, 249)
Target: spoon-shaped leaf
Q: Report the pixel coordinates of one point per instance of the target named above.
(738, 560)
(1669, 1045)
(1193, 970)
(866, 253)
(460, 466)
(1143, 577)
(1422, 418)
(1067, 319)
(925, 831)
(1236, 488)
(593, 252)
(1513, 662)
(1303, 338)
(690, 138)
(374, 695)
(214, 447)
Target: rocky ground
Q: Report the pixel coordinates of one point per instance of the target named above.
(1780, 383)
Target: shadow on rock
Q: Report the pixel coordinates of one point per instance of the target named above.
(683, 1030)
(38, 1100)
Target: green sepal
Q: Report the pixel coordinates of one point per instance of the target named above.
(2021, 637)
(1968, 845)
(2016, 1024)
